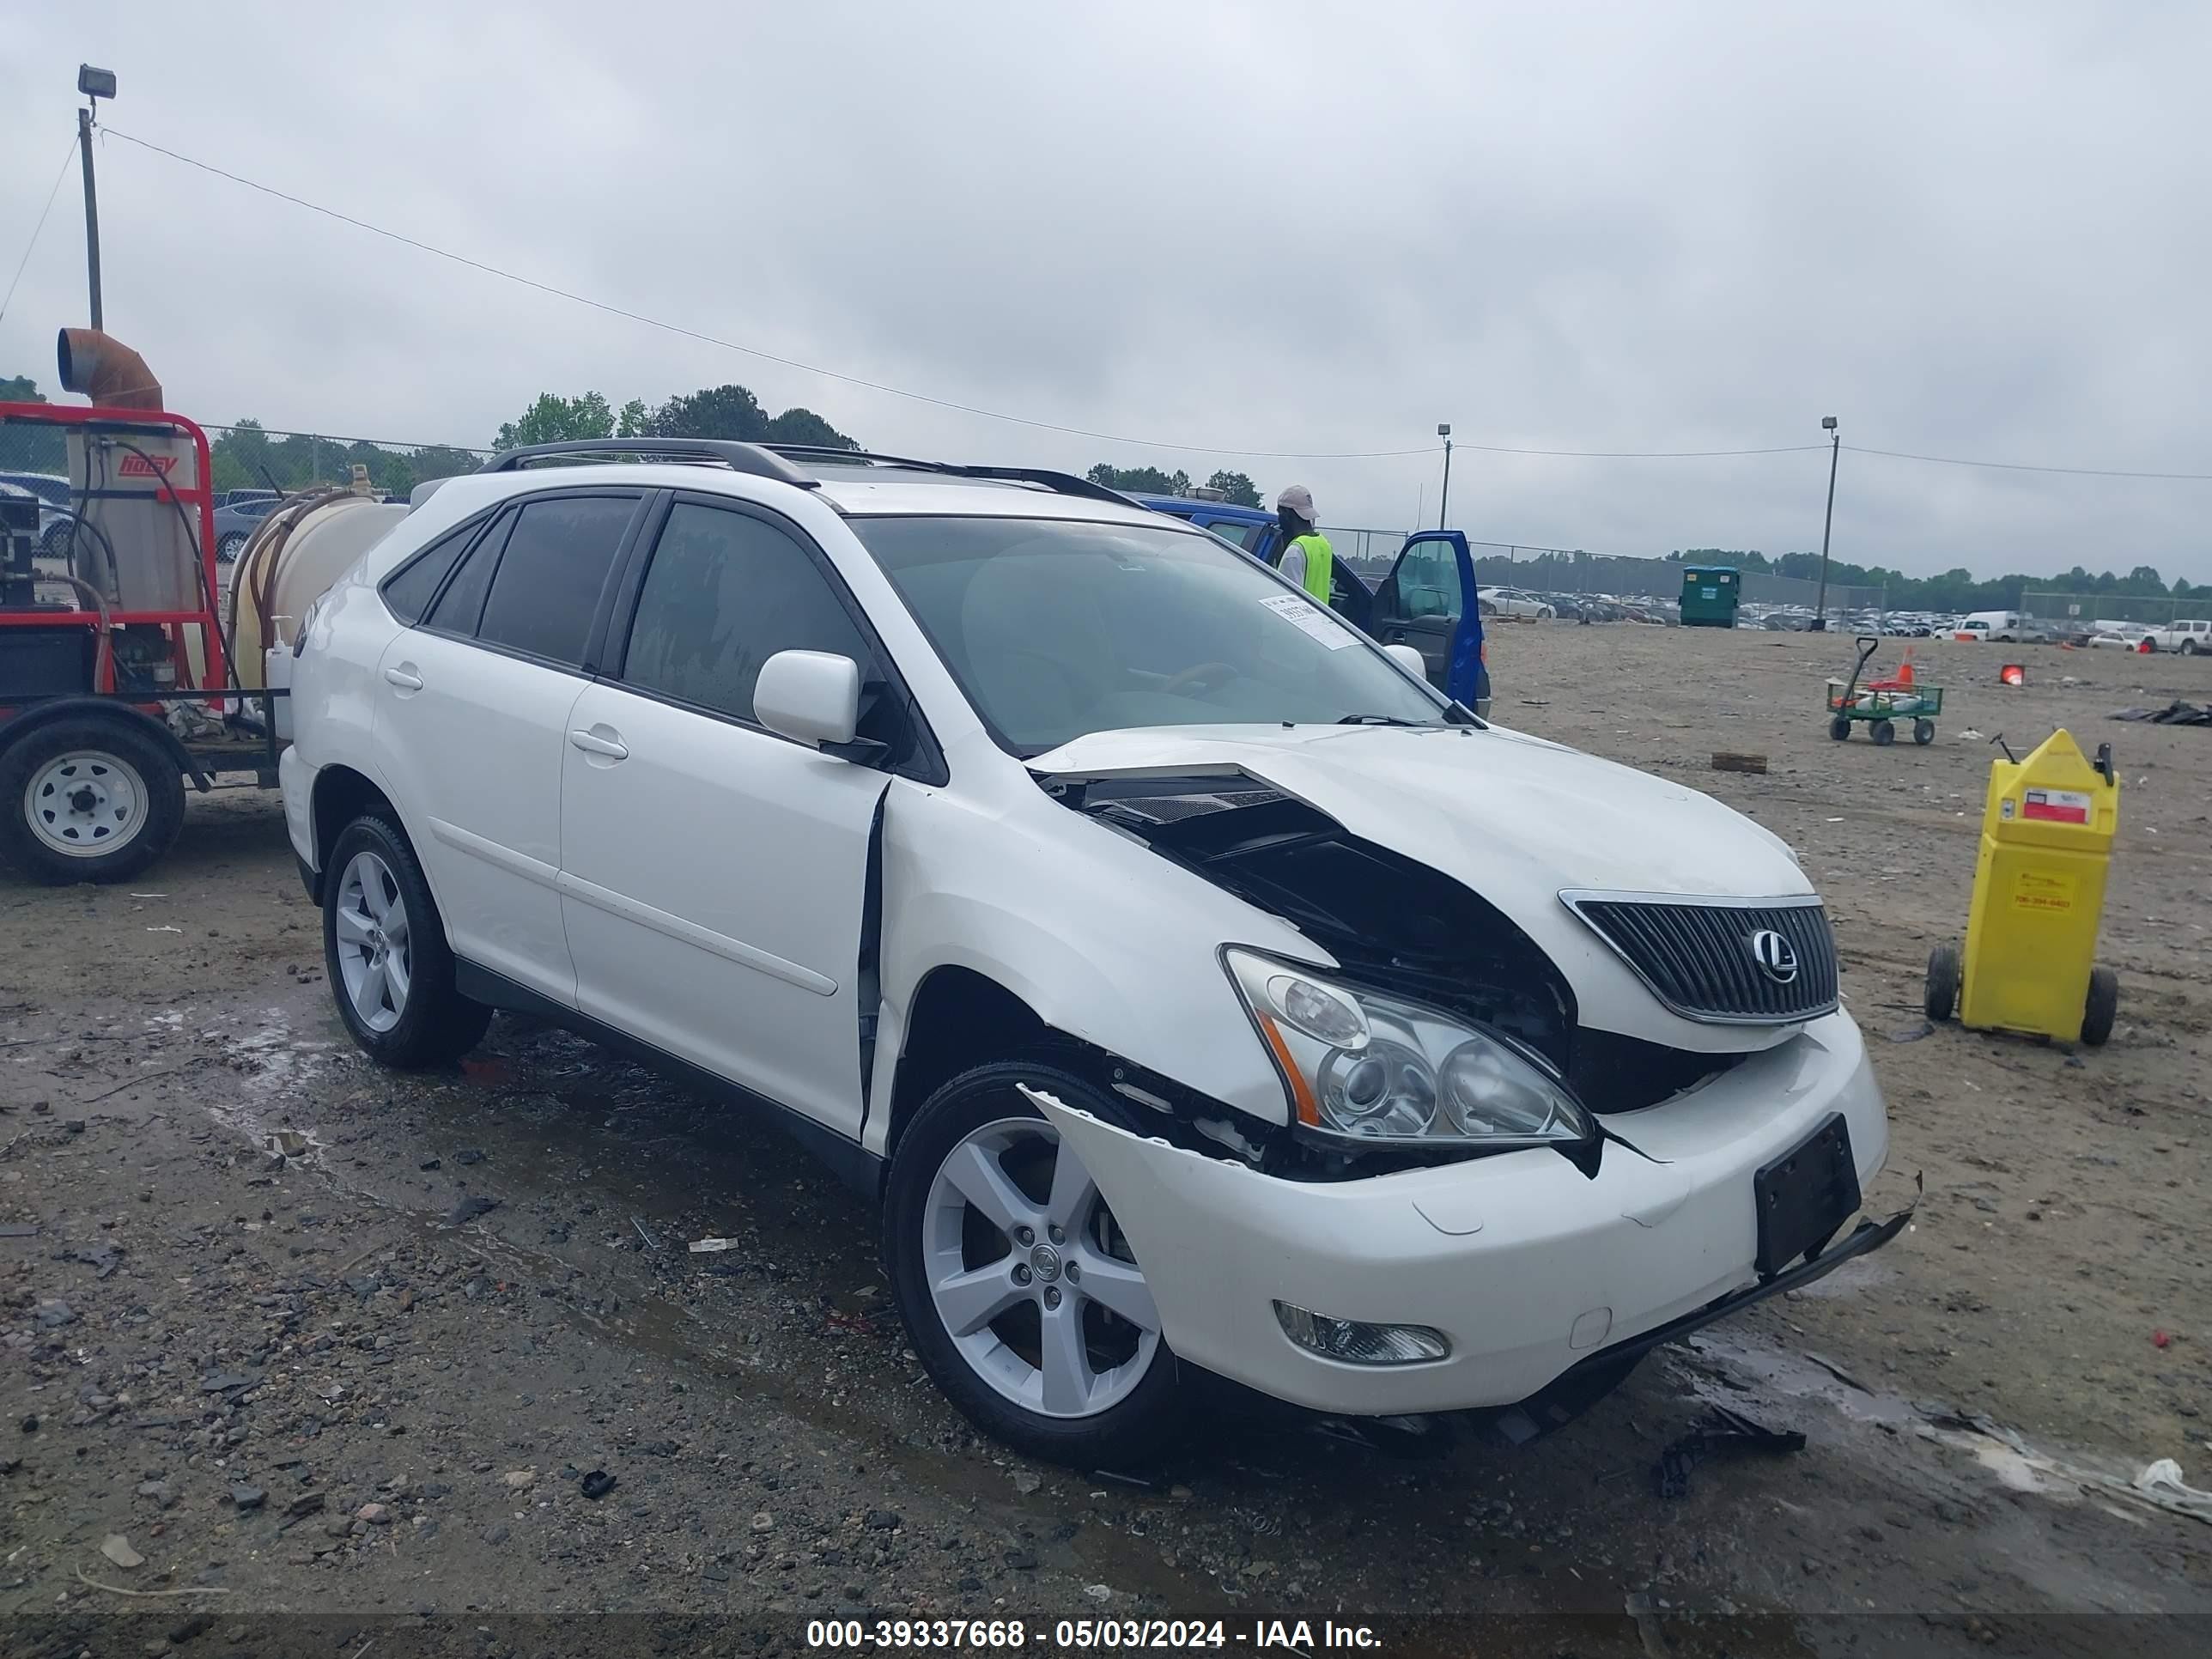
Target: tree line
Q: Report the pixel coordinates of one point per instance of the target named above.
(1954, 590)
(1234, 487)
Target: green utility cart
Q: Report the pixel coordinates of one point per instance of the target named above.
(1709, 592)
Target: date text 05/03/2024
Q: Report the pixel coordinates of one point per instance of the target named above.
(1291, 1635)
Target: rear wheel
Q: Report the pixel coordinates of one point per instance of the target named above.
(87, 800)
(1884, 733)
(227, 549)
(384, 943)
(2100, 1007)
(1924, 731)
(2189, 648)
(1945, 969)
(1021, 1296)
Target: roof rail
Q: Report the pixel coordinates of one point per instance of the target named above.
(756, 458)
(1061, 483)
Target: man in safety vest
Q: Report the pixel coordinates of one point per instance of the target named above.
(1307, 559)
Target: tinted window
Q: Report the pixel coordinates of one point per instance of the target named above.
(547, 586)
(1237, 535)
(462, 602)
(408, 593)
(724, 593)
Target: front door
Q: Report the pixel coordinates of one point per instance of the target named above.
(1428, 602)
(714, 876)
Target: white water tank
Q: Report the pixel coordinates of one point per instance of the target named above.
(297, 553)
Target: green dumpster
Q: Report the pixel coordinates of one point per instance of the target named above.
(1709, 595)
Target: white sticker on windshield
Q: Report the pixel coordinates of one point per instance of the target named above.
(1304, 616)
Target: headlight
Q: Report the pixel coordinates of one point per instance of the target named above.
(1364, 1067)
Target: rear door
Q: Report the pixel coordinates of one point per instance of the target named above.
(714, 875)
(1429, 601)
(472, 718)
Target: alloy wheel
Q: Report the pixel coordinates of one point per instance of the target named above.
(374, 951)
(1034, 1282)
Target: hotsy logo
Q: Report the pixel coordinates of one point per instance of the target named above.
(147, 466)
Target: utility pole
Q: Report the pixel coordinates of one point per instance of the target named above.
(1827, 524)
(96, 84)
(1443, 502)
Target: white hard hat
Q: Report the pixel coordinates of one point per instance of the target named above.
(1300, 500)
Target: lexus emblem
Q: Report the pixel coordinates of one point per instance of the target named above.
(1776, 955)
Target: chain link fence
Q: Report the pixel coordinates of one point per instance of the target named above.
(253, 457)
(2100, 611)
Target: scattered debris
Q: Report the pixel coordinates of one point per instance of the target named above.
(165, 930)
(1722, 1430)
(704, 1246)
(2176, 712)
(470, 1155)
(597, 1483)
(117, 1548)
(645, 1233)
(470, 1208)
(2159, 1340)
(1026, 1481)
(1725, 761)
(19, 1229)
(248, 1498)
(2161, 1483)
(181, 1589)
(1098, 1592)
(519, 1480)
(290, 1142)
(1912, 1033)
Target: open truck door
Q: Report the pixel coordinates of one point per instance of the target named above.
(1428, 601)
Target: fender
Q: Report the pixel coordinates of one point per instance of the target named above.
(48, 710)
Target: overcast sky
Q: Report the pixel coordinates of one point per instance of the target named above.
(1977, 230)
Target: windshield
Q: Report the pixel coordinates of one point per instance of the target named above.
(1055, 630)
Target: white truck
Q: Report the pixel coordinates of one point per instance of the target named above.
(2188, 638)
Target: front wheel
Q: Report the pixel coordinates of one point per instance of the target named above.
(384, 945)
(1021, 1296)
(227, 549)
(1840, 728)
(93, 799)
(1945, 970)
(1924, 731)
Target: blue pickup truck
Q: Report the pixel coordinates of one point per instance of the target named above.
(1427, 601)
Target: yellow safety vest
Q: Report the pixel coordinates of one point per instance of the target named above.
(1320, 557)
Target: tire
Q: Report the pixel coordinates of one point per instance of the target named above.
(1945, 970)
(227, 549)
(2100, 1007)
(1924, 731)
(415, 1017)
(1840, 728)
(1884, 733)
(2189, 648)
(974, 1127)
(93, 799)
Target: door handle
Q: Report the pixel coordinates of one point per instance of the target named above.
(405, 679)
(601, 740)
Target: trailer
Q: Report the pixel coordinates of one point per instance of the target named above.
(117, 687)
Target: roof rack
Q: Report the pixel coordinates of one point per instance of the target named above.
(756, 458)
(1061, 483)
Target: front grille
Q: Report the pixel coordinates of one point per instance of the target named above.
(1700, 955)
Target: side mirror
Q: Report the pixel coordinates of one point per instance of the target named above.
(1409, 659)
(812, 697)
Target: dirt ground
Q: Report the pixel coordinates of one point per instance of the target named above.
(306, 1339)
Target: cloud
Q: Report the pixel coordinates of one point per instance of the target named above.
(1970, 230)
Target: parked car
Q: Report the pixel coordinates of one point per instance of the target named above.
(1422, 604)
(2116, 639)
(1196, 987)
(236, 521)
(2188, 638)
(1513, 602)
(52, 490)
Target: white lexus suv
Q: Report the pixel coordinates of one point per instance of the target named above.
(1194, 986)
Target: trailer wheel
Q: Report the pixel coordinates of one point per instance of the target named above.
(1944, 969)
(1924, 731)
(1884, 733)
(2100, 1008)
(1840, 727)
(87, 800)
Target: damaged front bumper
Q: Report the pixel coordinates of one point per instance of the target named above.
(1528, 1268)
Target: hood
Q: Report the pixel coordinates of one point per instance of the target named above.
(1512, 817)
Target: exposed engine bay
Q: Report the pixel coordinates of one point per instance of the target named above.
(1393, 923)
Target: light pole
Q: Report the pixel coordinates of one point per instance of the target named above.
(1835, 449)
(96, 84)
(1444, 501)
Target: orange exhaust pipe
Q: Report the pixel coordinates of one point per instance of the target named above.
(106, 370)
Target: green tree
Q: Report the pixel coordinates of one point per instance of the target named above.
(721, 411)
(803, 426)
(634, 421)
(1145, 480)
(555, 419)
(1235, 487)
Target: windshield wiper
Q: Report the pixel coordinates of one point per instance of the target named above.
(1379, 719)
